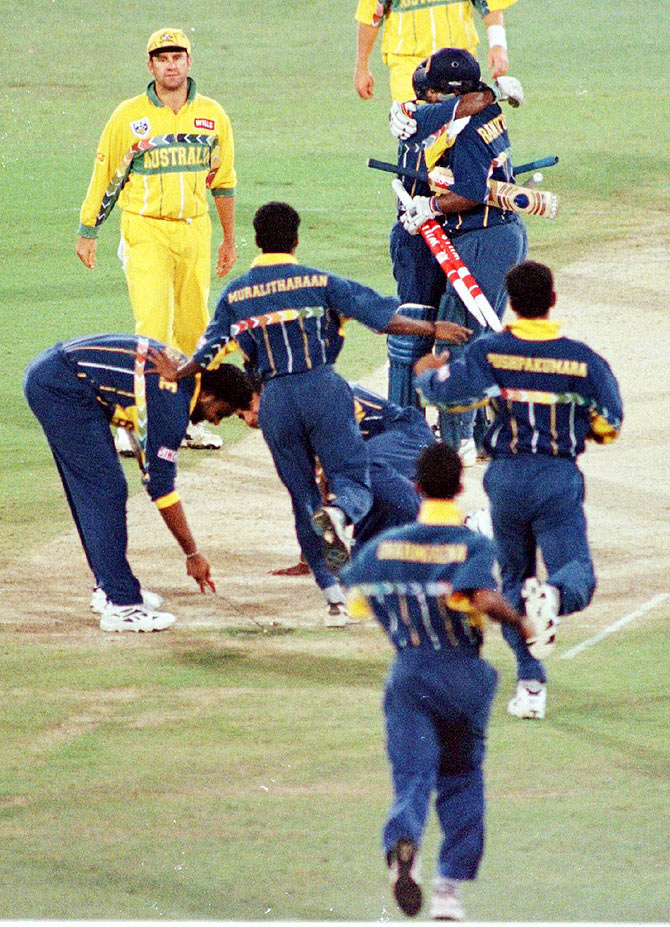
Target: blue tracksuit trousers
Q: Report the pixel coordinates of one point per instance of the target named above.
(437, 706)
(305, 416)
(395, 502)
(537, 502)
(81, 442)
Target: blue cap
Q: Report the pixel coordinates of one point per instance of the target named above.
(449, 70)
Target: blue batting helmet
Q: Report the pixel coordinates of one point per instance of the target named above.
(449, 70)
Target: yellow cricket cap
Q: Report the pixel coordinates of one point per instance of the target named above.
(168, 38)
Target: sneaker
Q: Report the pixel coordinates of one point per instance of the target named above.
(404, 861)
(330, 523)
(200, 439)
(480, 521)
(134, 618)
(123, 444)
(468, 452)
(529, 701)
(337, 616)
(99, 600)
(543, 602)
(445, 905)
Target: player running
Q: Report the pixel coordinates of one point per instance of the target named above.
(287, 321)
(549, 395)
(430, 585)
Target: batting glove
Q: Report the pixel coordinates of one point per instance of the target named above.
(510, 89)
(418, 212)
(402, 123)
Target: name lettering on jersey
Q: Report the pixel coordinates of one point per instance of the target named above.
(413, 552)
(556, 365)
(281, 285)
(204, 124)
(191, 156)
(167, 453)
(492, 129)
(141, 127)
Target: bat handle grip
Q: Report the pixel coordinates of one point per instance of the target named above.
(400, 192)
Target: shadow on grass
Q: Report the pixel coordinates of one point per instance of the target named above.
(292, 669)
(617, 725)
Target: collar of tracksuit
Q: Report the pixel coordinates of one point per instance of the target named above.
(535, 329)
(439, 512)
(263, 260)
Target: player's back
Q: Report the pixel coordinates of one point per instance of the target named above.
(553, 391)
(416, 579)
(376, 415)
(281, 317)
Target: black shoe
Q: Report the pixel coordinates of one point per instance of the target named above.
(405, 864)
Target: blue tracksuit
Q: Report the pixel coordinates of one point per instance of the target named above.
(489, 240)
(393, 434)
(549, 395)
(287, 321)
(77, 389)
(394, 438)
(439, 692)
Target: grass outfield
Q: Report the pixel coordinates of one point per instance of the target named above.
(238, 776)
(222, 774)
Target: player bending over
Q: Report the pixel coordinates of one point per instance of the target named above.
(77, 389)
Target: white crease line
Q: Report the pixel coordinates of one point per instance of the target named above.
(652, 603)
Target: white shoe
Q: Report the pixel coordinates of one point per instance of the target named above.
(123, 444)
(337, 616)
(480, 521)
(330, 523)
(468, 452)
(404, 862)
(134, 618)
(99, 600)
(530, 700)
(200, 439)
(543, 602)
(445, 905)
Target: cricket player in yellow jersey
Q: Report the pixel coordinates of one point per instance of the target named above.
(414, 29)
(159, 154)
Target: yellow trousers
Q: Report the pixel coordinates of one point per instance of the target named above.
(168, 269)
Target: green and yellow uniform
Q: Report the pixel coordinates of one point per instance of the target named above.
(414, 29)
(160, 164)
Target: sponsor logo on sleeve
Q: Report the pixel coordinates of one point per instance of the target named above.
(141, 127)
(204, 124)
(166, 453)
